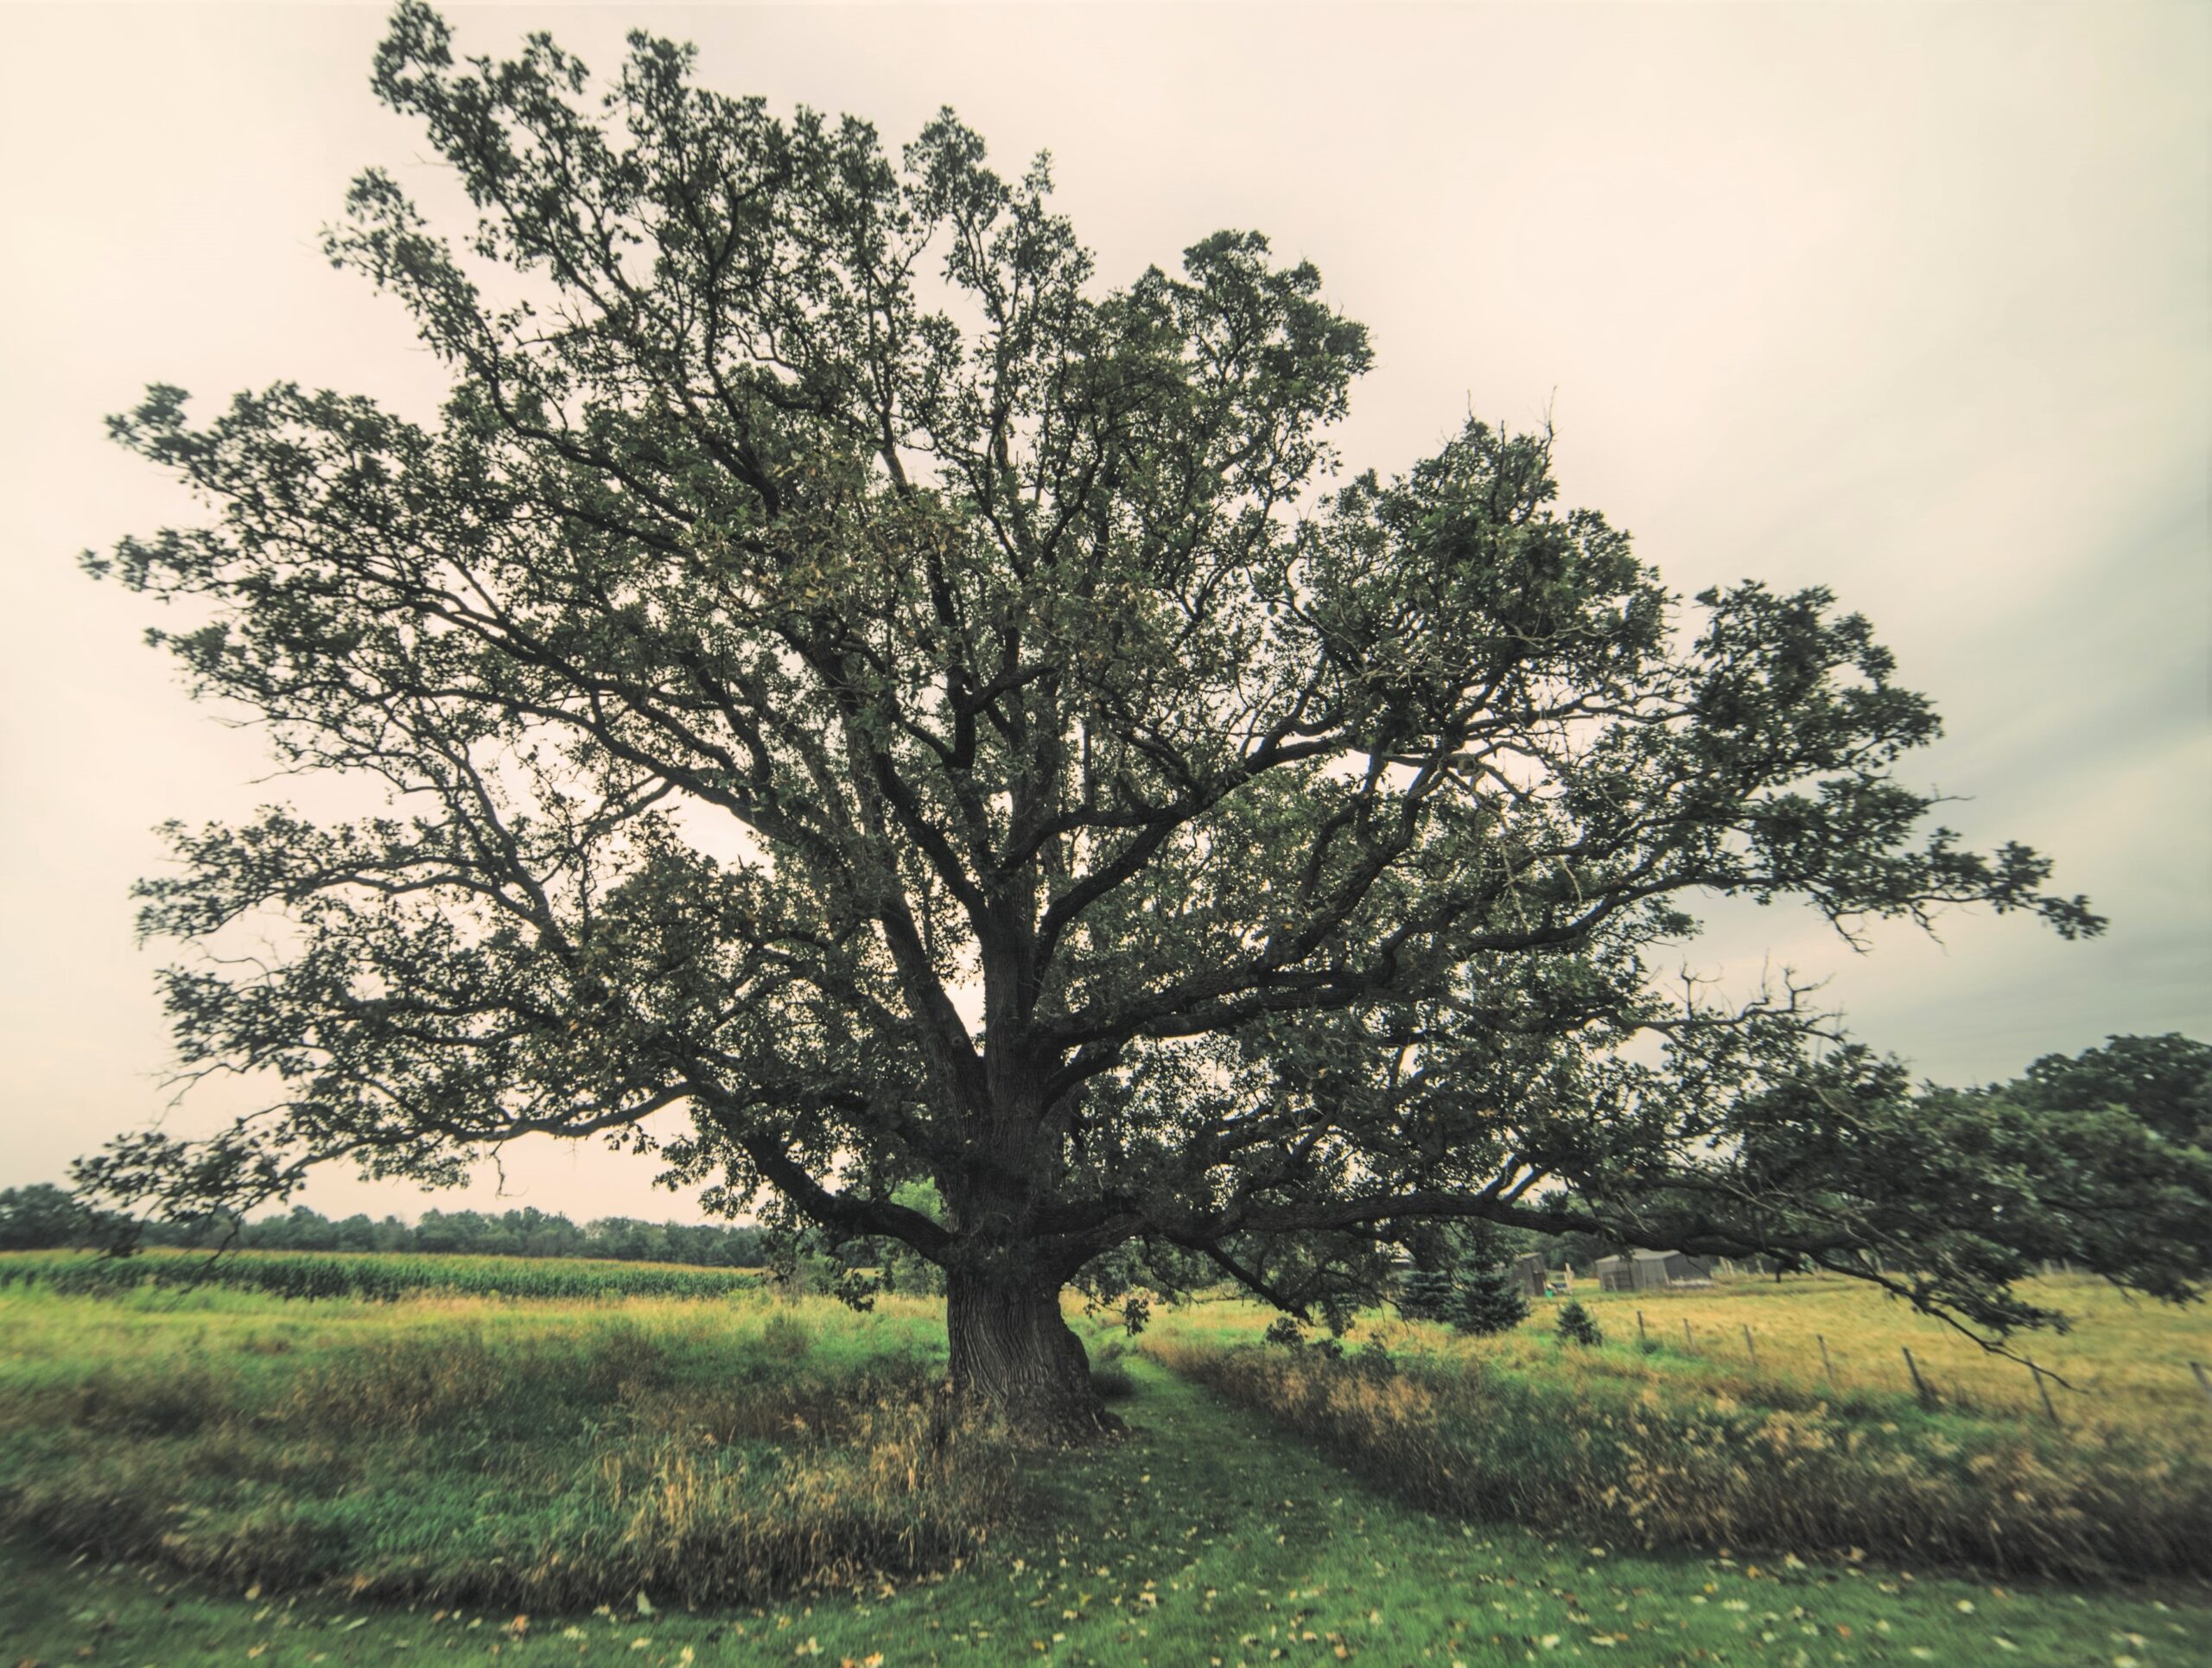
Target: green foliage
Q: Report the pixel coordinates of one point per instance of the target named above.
(1285, 1332)
(1109, 1367)
(42, 1217)
(1491, 1301)
(1576, 1325)
(1427, 1293)
(525, 1232)
(2164, 1083)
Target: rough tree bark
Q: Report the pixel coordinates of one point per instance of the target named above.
(1014, 1357)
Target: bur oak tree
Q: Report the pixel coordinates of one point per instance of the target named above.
(860, 700)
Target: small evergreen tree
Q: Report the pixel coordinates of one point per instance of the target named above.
(1464, 1280)
(1577, 1326)
(1426, 1294)
(1489, 1299)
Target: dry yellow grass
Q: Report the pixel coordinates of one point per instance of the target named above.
(2126, 1358)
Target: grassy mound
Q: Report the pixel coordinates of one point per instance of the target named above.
(1623, 1449)
(467, 1452)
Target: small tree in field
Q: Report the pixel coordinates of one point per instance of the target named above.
(1576, 1325)
(1491, 1301)
(846, 676)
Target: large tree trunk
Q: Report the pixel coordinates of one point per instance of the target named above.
(1014, 1358)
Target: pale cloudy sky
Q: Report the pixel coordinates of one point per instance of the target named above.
(1914, 300)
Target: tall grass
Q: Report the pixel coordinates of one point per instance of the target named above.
(464, 1451)
(382, 1275)
(2126, 1358)
(1634, 1457)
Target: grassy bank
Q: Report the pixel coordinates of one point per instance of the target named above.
(459, 1450)
(1668, 1443)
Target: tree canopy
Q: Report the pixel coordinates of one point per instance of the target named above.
(844, 676)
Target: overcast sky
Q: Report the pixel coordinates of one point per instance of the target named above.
(1912, 300)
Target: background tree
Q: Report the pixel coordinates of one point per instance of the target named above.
(839, 671)
(2102, 1160)
(43, 1217)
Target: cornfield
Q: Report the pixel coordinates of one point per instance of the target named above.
(376, 1276)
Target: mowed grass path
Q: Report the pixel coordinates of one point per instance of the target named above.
(1204, 1538)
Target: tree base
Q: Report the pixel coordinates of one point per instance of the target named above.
(1015, 1362)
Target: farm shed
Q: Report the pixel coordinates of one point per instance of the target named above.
(1528, 1274)
(1653, 1270)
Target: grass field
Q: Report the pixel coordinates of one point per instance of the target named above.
(459, 1448)
(466, 1461)
(2124, 1365)
(2127, 1361)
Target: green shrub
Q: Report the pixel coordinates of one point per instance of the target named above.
(1466, 1283)
(1490, 1300)
(1578, 1325)
(1109, 1373)
(786, 1335)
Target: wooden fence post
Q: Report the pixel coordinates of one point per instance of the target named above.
(1828, 1367)
(1686, 1340)
(2203, 1380)
(1642, 1342)
(1750, 1349)
(1919, 1384)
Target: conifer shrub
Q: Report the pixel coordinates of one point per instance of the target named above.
(1578, 1325)
(1464, 1282)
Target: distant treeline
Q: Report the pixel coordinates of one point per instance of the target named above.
(45, 1218)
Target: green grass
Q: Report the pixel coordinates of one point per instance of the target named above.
(365, 1481)
(1657, 1469)
(1203, 1536)
(2126, 1358)
(461, 1449)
